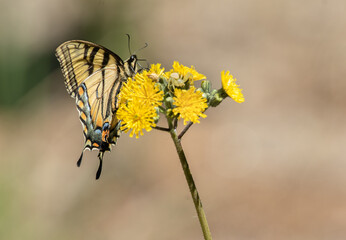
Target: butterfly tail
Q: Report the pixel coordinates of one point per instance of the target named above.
(86, 146)
(99, 170)
(79, 162)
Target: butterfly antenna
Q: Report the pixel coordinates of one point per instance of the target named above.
(129, 43)
(146, 45)
(99, 170)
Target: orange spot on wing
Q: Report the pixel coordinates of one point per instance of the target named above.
(80, 91)
(80, 104)
(83, 116)
(96, 144)
(85, 130)
(105, 135)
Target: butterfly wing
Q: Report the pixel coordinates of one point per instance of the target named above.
(93, 76)
(80, 59)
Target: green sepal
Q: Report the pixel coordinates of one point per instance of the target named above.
(216, 97)
(157, 118)
(161, 109)
(206, 86)
(169, 102)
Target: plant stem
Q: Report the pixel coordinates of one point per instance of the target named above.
(161, 128)
(185, 130)
(193, 190)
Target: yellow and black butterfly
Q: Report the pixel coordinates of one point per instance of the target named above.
(93, 76)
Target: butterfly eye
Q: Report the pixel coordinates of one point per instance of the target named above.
(133, 58)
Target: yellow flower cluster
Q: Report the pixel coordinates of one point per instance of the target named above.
(141, 97)
(231, 88)
(138, 99)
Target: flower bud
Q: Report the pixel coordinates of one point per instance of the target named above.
(206, 86)
(216, 97)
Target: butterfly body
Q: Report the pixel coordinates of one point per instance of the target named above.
(93, 76)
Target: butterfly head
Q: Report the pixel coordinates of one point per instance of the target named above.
(131, 65)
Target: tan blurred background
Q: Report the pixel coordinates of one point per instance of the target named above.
(270, 168)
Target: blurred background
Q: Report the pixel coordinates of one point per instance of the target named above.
(272, 167)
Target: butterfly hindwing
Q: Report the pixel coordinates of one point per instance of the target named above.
(93, 76)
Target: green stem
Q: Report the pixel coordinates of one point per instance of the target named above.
(185, 130)
(195, 197)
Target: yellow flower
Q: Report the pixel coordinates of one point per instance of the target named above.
(138, 98)
(231, 88)
(156, 68)
(141, 88)
(127, 91)
(149, 93)
(190, 104)
(154, 72)
(136, 116)
(180, 74)
(184, 71)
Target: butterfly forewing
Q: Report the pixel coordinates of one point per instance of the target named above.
(93, 76)
(80, 59)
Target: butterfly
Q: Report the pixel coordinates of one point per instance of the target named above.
(94, 76)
